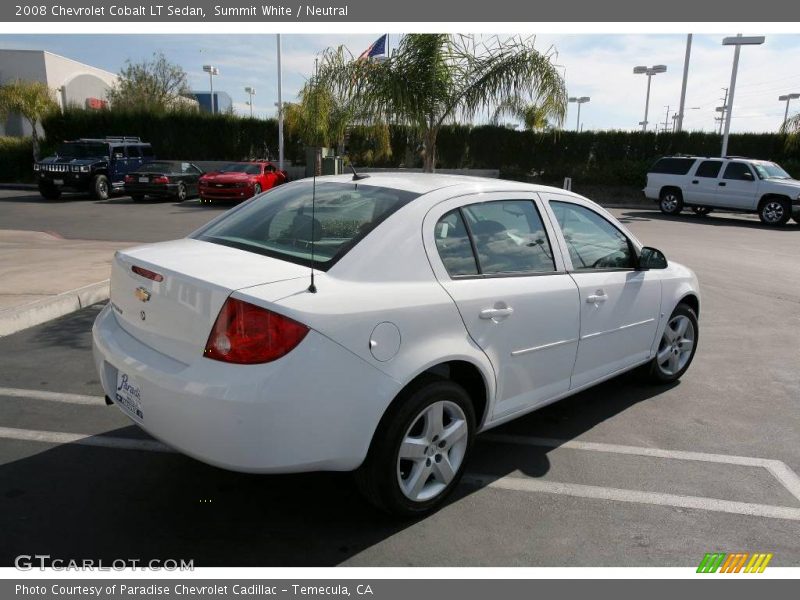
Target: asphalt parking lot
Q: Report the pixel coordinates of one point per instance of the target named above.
(625, 474)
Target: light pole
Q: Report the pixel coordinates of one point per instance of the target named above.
(250, 91)
(649, 71)
(211, 70)
(737, 41)
(787, 98)
(579, 101)
(679, 124)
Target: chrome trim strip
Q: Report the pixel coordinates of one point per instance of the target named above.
(628, 326)
(542, 347)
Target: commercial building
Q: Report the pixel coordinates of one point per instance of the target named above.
(223, 102)
(73, 82)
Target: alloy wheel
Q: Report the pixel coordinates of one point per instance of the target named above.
(432, 451)
(677, 344)
(773, 212)
(669, 203)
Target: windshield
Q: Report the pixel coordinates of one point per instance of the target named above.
(280, 223)
(81, 150)
(770, 170)
(248, 168)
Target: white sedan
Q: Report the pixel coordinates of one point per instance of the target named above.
(440, 307)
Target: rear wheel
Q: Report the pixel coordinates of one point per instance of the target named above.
(100, 188)
(774, 211)
(671, 201)
(418, 453)
(677, 346)
(49, 192)
(180, 195)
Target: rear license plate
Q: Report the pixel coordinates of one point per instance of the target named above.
(58, 181)
(128, 396)
(143, 179)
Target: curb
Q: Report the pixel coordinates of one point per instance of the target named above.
(22, 317)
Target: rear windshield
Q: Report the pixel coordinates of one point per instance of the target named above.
(248, 168)
(160, 167)
(672, 166)
(280, 223)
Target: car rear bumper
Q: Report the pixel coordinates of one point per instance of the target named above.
(164, 189)
(314, 409)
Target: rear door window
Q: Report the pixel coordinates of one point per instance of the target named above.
(709, 168)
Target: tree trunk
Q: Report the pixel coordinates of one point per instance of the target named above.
(34, 141)
(429, 151)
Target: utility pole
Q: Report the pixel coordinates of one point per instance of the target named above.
(666, 120)
(723, 108)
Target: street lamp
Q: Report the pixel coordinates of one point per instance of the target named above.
(211, 70)
(250, 91)
(649, 71)
(786, 99)
(579, 101)
(737, 41)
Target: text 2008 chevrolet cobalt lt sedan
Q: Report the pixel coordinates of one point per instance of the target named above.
(442, 306)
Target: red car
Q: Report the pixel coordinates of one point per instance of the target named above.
(240, 181)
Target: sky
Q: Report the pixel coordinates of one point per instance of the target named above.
(596, 65)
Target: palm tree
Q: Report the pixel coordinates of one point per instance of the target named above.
(326, 112)
(534, 116)
(31, 99)
(435, 79)
(792, 131)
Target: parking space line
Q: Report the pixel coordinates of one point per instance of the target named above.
(52, 396)
(633, 496)
(778, 469)
(82, 439)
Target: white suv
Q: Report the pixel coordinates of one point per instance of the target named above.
(731, 183)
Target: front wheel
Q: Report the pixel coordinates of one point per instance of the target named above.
(671, 202)
(677, 346)
(181, 194)
(100, 188)
(418, 453)
(702, 211)
(774, 211)
(49, 192)
(256, 189)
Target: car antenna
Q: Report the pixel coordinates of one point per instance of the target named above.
(313, 288)
(356, 176)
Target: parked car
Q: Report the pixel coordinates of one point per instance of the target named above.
(438, 307)
(164, 179)
(96, 166)
(240, 181)
(731, 183)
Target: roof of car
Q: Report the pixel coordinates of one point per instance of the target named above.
(423, 183)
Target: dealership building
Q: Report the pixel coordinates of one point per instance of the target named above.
(74, 83)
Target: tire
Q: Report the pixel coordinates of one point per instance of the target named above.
(387, 480)
(702, 211)
(670, 201)
(256, 189)
(774, 211)
(137, 197)
(100, 189)
(675, 350)
(181, 194)
(49, 192)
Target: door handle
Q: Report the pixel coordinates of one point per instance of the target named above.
(496, 313)
(598, 296)
(722, 184)
(695, 181)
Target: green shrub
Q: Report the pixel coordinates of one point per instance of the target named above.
(16, 159)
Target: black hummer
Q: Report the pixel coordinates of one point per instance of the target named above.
(97, 166)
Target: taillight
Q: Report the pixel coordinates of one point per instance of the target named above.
(247, 334)
(160, 179)
(129, 179)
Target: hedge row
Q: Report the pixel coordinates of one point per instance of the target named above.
(16, 157)
(592, 157)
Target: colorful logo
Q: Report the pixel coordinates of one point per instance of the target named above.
(734, 563)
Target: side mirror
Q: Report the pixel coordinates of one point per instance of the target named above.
(748, 176)
(651, 258)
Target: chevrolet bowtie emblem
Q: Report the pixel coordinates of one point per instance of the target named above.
(142, 294)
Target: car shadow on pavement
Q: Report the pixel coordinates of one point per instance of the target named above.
(716, 219)
(76, 501)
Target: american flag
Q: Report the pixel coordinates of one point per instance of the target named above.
(376, 48)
